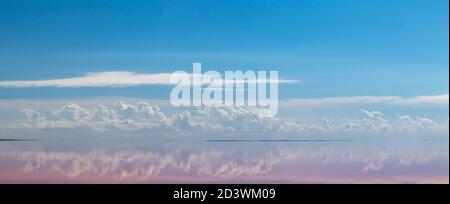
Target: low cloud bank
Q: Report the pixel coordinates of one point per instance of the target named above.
(145, 116)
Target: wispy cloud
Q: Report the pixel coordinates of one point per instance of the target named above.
(107, 79)
(395, 100)
(101, 79)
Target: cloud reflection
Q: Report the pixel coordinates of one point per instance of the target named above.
(223, 164)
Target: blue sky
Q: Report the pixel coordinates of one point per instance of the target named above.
(337, 48)
(371, 71)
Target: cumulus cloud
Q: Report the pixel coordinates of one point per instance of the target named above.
(373, 114)
(417, 123)
(145, 116)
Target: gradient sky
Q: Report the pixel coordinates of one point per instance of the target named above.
(337, 48)
(371, 105)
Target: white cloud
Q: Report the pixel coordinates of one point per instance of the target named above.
(441, 99)
(108, 79)
(73, 112)
(102, 79)
(394, 100)
(146, 116)
(417, 123)
(373, 114)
